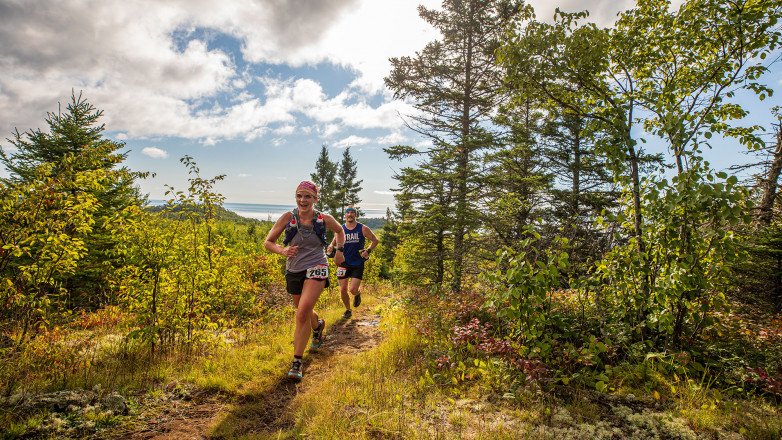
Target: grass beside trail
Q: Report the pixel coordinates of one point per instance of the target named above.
(398, 390)
(394, 391)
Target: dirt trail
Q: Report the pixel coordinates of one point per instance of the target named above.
(265, 410)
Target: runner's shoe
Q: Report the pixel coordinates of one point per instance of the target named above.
(347, 314)
(317, 334)
(295, 371)
(357, 300)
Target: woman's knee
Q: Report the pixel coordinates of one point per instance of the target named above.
(303, 316)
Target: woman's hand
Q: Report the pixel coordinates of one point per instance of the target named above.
(290, 251)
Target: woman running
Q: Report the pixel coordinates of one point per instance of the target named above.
(306, 269)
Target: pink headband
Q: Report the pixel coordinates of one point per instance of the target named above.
(308, 187)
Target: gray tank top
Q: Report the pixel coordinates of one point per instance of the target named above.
(310, 253)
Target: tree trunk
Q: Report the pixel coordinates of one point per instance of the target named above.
(574, 204)
(463, 163)
(770, 182)
(440, 268)
(638, 217)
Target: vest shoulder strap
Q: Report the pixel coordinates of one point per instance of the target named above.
(318, 225)
(292, 227)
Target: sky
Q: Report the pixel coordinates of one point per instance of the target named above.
(251, 89)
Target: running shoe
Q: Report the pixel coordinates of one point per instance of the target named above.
(295, 371)
(357, 300)
(347, 314)
(317, 334)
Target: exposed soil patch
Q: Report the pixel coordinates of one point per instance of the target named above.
(186, 419)
(266, 410)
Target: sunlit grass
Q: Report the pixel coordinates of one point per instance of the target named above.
(397, 389)
(366, 393)
(381, 394)
(378, 394)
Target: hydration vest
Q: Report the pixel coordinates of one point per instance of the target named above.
(318, 226)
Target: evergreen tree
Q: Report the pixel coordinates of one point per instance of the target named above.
(325, 178)
(455, 85)
(76, 134)
(583, 186)
(517, 179)
(347, 185)
(424, 202)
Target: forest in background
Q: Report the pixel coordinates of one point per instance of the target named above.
(534, 245)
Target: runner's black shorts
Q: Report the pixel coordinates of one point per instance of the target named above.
(347, 271)
(294, 282)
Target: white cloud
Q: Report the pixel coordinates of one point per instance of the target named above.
(243, 175)
(284, 130)
(353, 41)
(151, 81)
(154, 152)
(426, 143)
(384, 193)
(352, 141)
(151, 67)
(329, 130)
(395, 138)
(305, 96)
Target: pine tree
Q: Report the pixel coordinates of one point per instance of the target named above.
(584, 186)
(456, 86)
(325, 178)
(347, 185)
(517, 179)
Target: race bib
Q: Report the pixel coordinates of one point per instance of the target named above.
(341, 271)
(319, 272)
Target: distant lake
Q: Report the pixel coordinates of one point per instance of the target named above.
(263, 211)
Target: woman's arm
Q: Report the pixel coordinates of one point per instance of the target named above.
(270, 244)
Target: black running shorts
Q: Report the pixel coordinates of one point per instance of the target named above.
(294, 282)
(346, 271)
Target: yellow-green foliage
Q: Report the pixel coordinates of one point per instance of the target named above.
(187, 281)
(42, 224)
(408, 267)
(373, 266)
(263, 354)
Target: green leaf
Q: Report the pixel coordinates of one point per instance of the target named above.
(732, 180)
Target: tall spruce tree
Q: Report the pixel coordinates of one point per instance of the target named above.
(347, 185)
(583, 184)
(517, 179)
(455, 85)
(425, 198)
(325, 178)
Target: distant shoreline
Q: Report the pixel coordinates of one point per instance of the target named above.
(264, 211)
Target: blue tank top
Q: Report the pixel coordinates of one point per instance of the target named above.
(354, 242)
